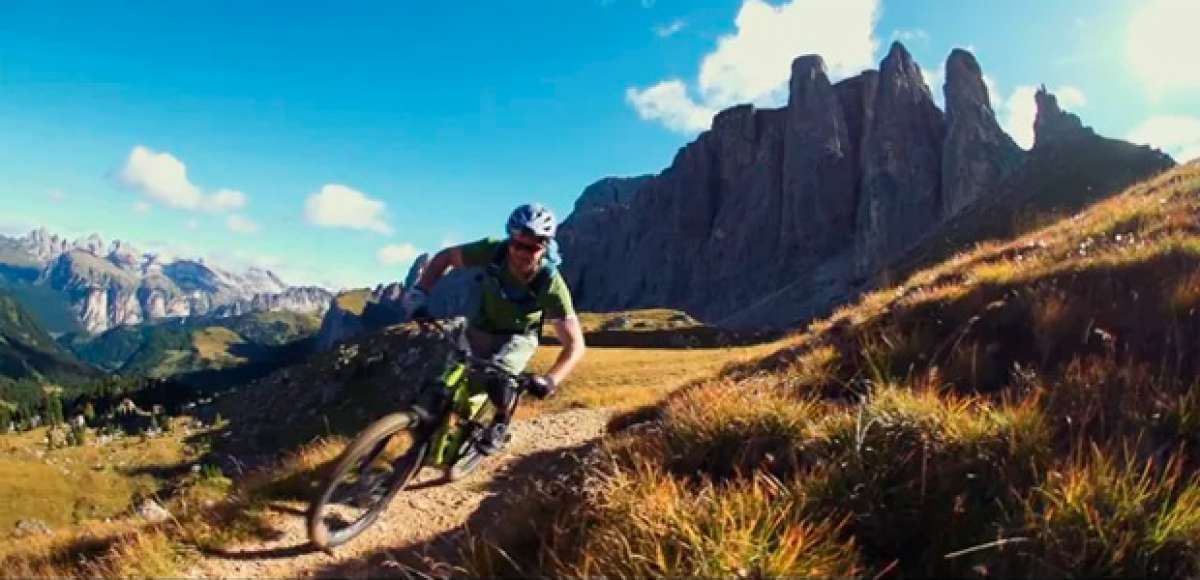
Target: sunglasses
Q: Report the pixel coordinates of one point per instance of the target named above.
(526, 248)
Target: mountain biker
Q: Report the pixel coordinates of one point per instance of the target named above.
(520, 288)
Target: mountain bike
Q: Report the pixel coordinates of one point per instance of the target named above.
(441, 431)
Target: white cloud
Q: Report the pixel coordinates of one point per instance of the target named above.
(1160, 43)
(1020, 110)
(665, 30)
(227, 199)
(163, 178)
(160, 176)
(240, 224)
(393, 254)
(668, 103)
(193, 224)
(338, 206)
(934, 79)
(753, 63)
(914, 35)
(141, 207)
(56, 195)
(1178, 135)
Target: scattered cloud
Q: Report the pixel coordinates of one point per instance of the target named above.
(141, 207)
(910, 36)
(1019, 110)
(934, 79)
(1178, 135)
(56, 195)
(338, 206)
(163, 178)
(753, 63)
(192, 224)
(668, 102)
(665, 30)
(240, 224)
(160, 176)
(393, 254)
(227, 199)
(1160, 43)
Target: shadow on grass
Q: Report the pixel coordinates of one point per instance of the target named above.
(516, 498)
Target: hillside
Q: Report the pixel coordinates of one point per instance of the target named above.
(178, 347)
(1024, 408)
(29, 356)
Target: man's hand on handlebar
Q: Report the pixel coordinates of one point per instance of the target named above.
(540, 386)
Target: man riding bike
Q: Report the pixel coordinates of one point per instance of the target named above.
(520, 289)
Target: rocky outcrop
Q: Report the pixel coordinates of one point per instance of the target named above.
(978, 154)
(1054, 125)
(774, 216)
(901, 164)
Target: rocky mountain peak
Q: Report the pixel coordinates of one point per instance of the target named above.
(1052, 123)
(964, 83)
(609, 192)
(92, 244)
(124, 255)
(900, 75)
(806, 71)
(978, 154)
(901, 164)
(43, 245)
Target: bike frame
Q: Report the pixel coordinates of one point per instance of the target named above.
(467, 400)
(465, 403)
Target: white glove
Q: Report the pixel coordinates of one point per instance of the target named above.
(413, 300)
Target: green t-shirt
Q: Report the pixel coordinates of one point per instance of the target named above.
(516, 314)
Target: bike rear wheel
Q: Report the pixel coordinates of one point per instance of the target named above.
(368, 474)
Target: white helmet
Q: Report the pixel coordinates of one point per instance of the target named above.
(534, 218)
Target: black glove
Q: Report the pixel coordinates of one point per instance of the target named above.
(540, 386)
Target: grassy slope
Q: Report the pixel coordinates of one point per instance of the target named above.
(28, 352)
(171, 347)
(1026, 408)
(64, 487)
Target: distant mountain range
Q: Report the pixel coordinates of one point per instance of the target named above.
(93, 286)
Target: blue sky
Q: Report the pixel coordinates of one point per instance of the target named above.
(330, 143)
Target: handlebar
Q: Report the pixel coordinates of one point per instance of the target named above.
(462, 349)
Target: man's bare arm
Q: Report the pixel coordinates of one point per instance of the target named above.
(436, 268)
(571, 335)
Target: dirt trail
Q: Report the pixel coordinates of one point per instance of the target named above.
(424, 522)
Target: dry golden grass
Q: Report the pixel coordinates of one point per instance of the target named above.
(212, 344)
(71, 485)
(626, 378)
(353, 301)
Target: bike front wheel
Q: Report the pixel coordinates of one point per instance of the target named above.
(368, 474)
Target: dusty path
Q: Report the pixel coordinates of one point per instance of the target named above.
(424, 524)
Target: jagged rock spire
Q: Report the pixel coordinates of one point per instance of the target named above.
(901, 164)
(978, 154)
(1052, 123)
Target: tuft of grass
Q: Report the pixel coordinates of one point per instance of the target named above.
(646, 524)
(909, 464)
(1105, 516)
